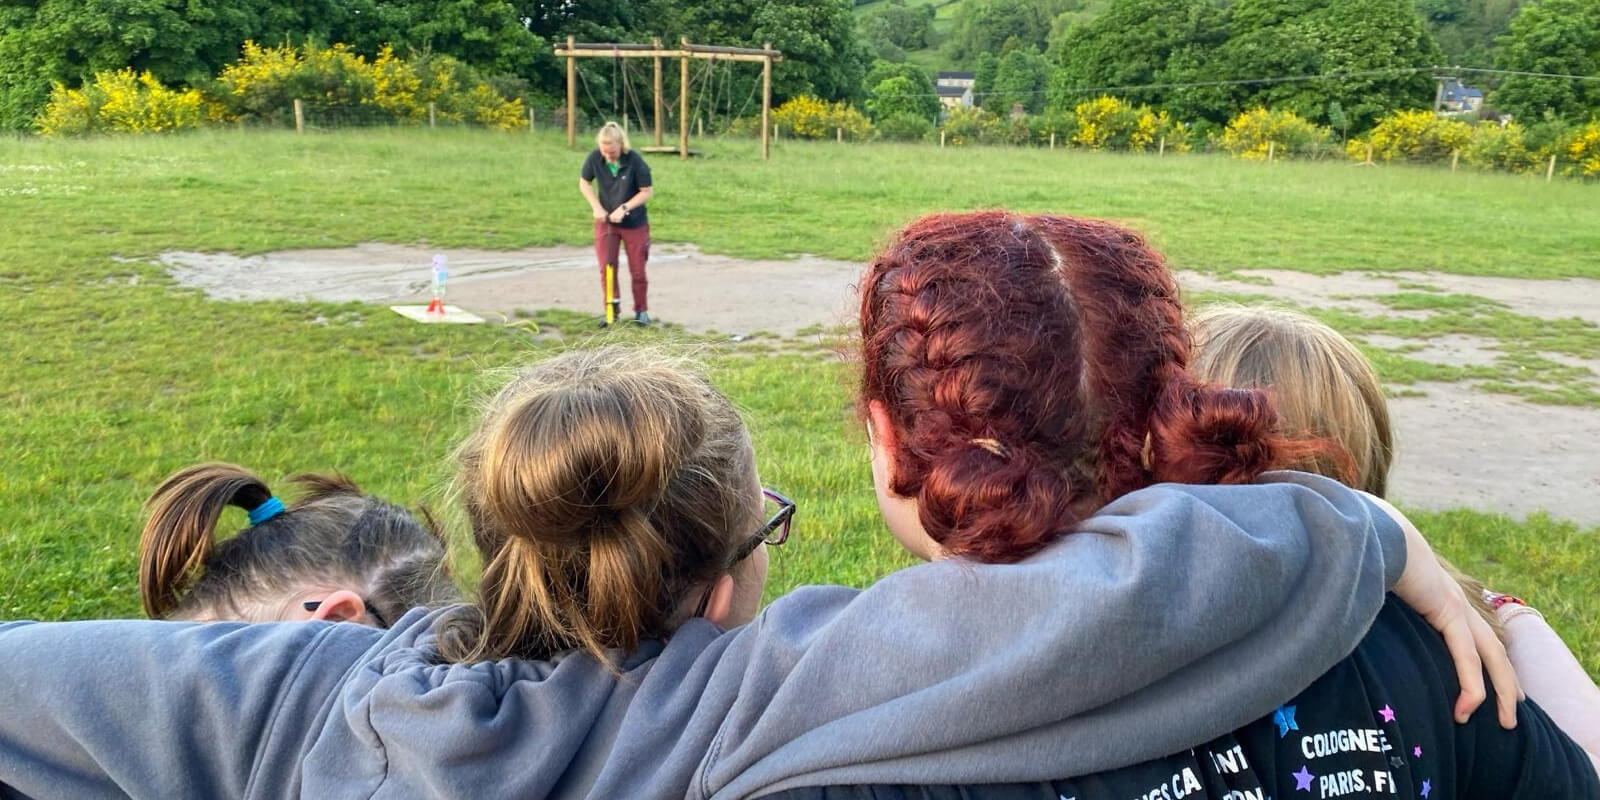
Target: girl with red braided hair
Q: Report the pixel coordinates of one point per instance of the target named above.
(1019, 374)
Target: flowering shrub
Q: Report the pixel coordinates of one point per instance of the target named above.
(1252, 134)
(807, 117)
(395, 87)
(1111, 123)
(264, 83)
(1496, 147)
(968, 126)
(1413, 136)
(485, 107)
(121, 102)
(1584, 150)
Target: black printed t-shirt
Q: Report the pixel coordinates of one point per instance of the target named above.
(1378, 725)
(615, 188)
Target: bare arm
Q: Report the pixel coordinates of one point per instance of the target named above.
(621, 212)
(641, 198)
(1431, 592)
(594, 202)
(1552, 676)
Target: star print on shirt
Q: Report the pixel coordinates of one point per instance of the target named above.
(1387, 713)
(1417, 751)
(1427, 788)
(1284, 719)
(1302, 779)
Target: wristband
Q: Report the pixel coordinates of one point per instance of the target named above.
(1496, 600)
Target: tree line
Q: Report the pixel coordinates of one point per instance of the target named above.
(188, 42)
(1202, 60)
(1210, 60)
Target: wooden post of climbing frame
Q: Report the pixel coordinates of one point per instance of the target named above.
(766, 101)
(657, 42)
(683, 103)
(572, 94)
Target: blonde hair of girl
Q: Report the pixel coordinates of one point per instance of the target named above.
(1321, 386)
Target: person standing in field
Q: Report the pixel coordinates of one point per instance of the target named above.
(616, 182)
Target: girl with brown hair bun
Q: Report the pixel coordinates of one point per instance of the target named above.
(612, 495)
(1077, 617)
(334, 554)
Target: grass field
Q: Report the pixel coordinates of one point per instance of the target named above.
(115, 378)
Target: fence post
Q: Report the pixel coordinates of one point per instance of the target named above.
(1163, 150)
(699, 127)
(1369, 154)
(299, 116)
(433, 115)
(941, 137)
(1550, 172)
(530, 119)
(1455, 158)
(1052, 140)
(839, 134)
(1272, 151)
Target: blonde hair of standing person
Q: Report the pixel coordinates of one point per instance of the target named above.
(612, 132)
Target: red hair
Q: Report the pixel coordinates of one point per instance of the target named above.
(1023, 361)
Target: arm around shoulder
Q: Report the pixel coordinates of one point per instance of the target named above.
(159, 709)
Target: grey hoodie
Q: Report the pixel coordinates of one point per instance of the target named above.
(1176, 614)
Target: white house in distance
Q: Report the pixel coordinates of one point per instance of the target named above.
(955, 89)
(1458, 97)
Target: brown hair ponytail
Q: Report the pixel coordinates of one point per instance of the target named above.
(332, 536)
(180, 534)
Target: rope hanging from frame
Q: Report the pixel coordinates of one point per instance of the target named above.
(585, 83)
(629, 95)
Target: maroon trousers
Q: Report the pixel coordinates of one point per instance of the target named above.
(607, 241)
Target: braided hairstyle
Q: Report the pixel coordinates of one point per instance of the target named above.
(1035, 368)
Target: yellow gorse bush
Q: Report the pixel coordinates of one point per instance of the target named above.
(807, 117)
(1584, 150)
(1111, 123)
(1493, 146)
(123, 102)
(1412, 136)
(1256, 133)
(264, 83)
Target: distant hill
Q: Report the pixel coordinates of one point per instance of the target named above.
(1465, 29)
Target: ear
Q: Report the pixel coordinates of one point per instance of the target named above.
(1147, 456)
(880, 437)
(720, 605)
(342, 606)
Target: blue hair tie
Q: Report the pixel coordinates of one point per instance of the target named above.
(271, 508)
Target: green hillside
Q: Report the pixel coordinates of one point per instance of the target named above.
(1466, 30)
